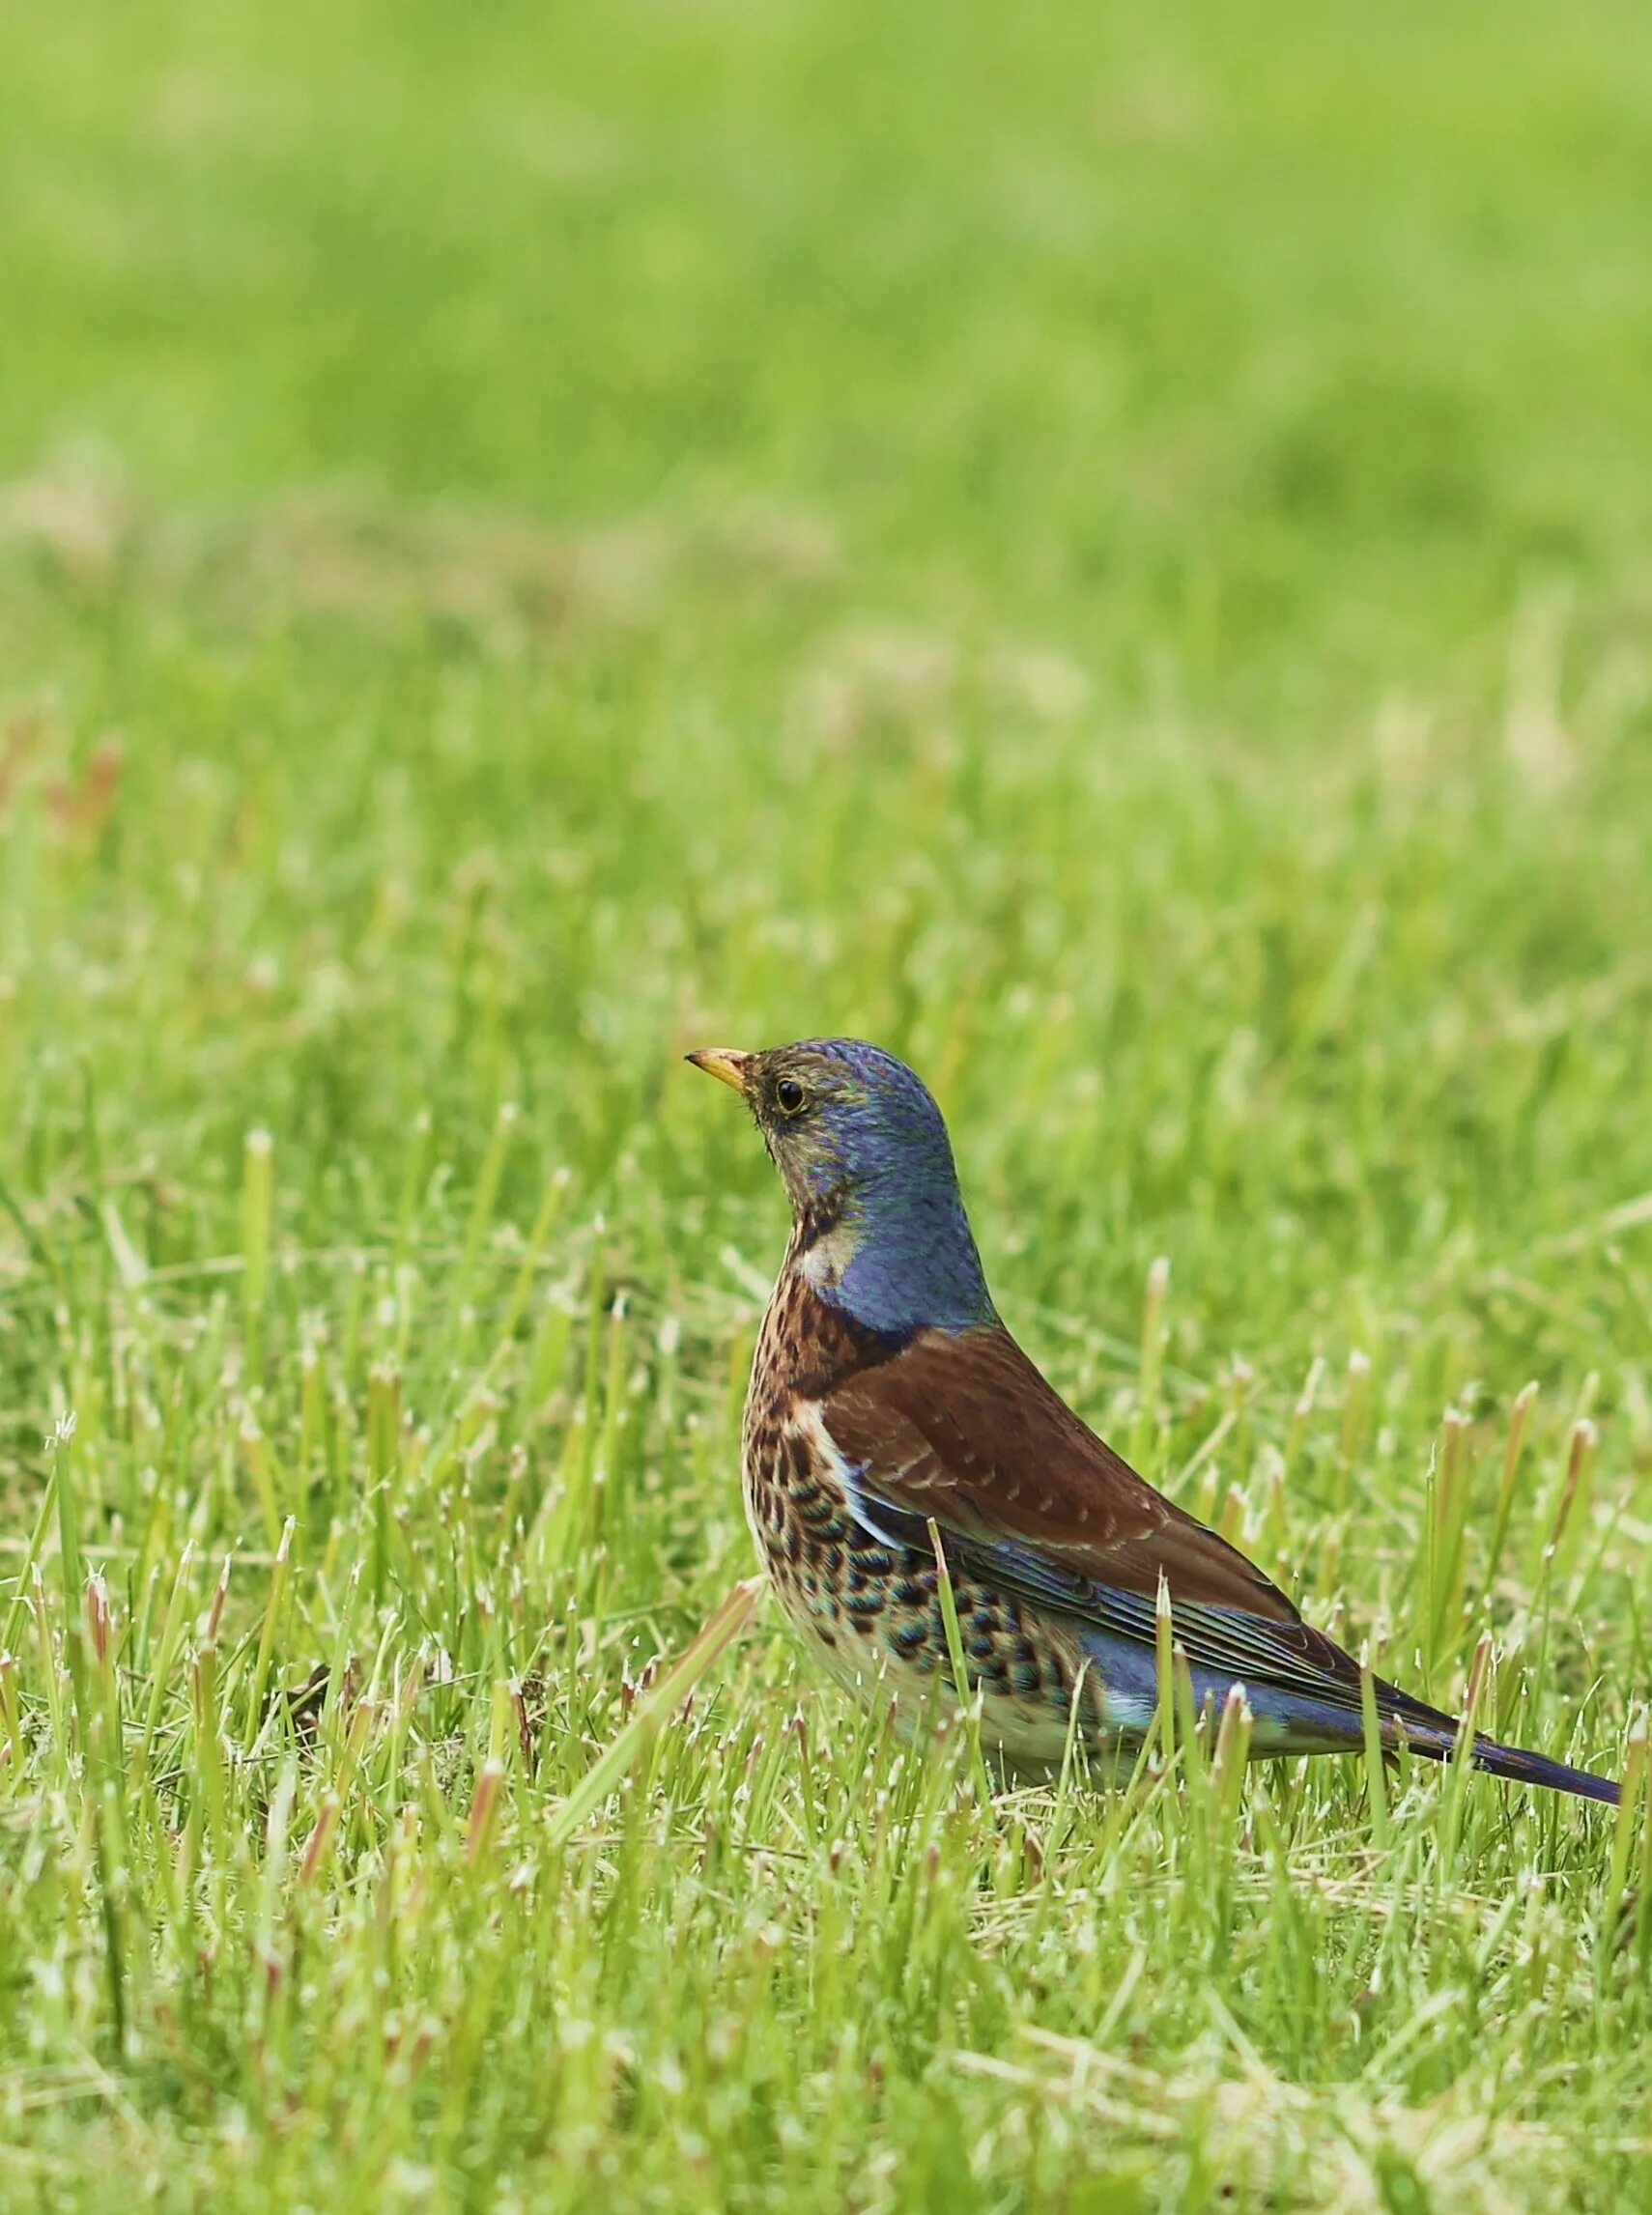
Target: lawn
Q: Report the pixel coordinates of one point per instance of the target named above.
(1109, 551)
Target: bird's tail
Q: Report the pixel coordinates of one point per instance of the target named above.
(1537, 1769)
(1426, 1730)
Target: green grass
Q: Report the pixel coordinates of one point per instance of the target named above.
(1105, 551)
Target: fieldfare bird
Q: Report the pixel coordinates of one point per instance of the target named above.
(886, 1394)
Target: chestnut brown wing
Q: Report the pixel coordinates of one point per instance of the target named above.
(962, 1427)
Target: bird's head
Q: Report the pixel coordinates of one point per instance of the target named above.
(866, 1164)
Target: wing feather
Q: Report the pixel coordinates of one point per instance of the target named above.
(963, 1428)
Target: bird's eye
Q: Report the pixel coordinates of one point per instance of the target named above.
(790, 1096)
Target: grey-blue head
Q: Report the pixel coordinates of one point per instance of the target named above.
(863, 1156)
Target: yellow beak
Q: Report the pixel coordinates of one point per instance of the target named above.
(721, 1062)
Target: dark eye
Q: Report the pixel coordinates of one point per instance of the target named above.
(790, 1096)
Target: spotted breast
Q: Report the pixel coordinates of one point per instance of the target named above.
(866, 1604)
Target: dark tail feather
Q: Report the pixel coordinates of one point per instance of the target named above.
(1426, 1730)
(1537, 1769)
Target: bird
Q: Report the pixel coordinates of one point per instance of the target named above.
(893, 1428)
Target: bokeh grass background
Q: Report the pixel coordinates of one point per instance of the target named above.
(1105, 548)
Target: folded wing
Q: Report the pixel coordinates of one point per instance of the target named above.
(961, 1427)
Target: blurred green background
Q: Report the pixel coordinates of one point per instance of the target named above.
(1106, 549)
(1193, 339)
(801, 518)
